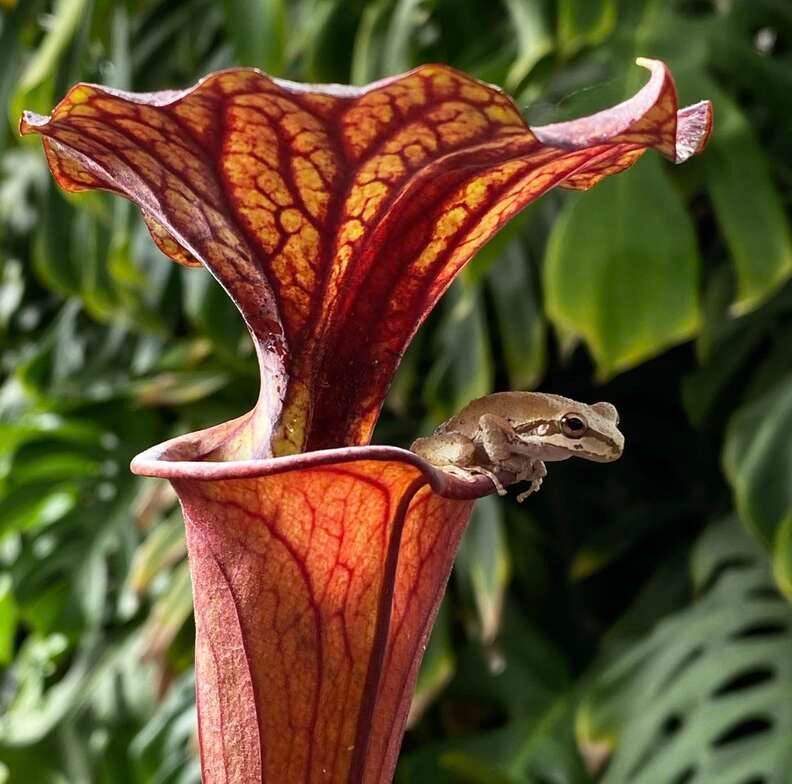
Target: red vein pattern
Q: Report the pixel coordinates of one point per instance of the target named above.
(336, 217)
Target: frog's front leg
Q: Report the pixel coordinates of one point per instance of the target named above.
(526, 469)
(497, 437)
(501, 441)
(512, 452)
(535, 475)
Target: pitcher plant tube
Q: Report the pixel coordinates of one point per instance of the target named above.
(335, 217)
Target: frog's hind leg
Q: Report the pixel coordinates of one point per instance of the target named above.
(445, 450)
(455, 454)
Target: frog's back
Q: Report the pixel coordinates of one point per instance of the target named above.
(516, 406)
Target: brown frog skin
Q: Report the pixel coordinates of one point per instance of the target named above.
(517, 433)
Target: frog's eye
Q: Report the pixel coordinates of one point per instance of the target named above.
(573, 426)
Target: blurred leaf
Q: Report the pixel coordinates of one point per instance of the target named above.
(706, 696)
(324, 37)
(584, 22)
(56, 466)
(367, 51)
(25, 767)
(61, 27)
(525, 753)
(12, 289)
(42, 610)
(622, 267)
(408, 379)
(8, 619)
(718, 324)
(89, 245)
(737, 353)
(93, 578)
(757, 459)
(463, 369)
(468, 769)
(519, 316)
(534, 38)
(407, 21)
(173, 389)
(211, 310)
(24, 173)
(34, 710)
(600, 547)
(437, 667)
(525, 677)
(74, 361)
(51, 261)
(725, 359)
(483, 565)
(164, 545)
(782, 557)
(773, 362)
(11, 25)
(35, 506)
(167, 737)
(120, 55)
(747, 204)
(100, 674)
(169, 612)
(257, 30)
(33, 427)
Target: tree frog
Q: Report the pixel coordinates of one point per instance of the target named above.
(517, 433)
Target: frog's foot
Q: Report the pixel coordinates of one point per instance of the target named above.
(468, 472)
(534, 488)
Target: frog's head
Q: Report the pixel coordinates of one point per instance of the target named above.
(592, 432)
(572, 429)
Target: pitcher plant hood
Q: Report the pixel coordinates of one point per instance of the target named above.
(336, 217)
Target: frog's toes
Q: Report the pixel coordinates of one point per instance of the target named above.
(534, 488)
(494, 479)
(470, 472)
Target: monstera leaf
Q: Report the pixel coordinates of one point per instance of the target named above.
(335, 218)
(705, 697)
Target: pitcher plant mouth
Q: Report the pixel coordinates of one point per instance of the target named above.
(335, 218)
(190, 456)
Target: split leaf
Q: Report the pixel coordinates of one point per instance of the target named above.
(705, 696)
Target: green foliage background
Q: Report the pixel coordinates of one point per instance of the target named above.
(631, 623)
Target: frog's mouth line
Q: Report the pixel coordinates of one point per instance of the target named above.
(551, 427)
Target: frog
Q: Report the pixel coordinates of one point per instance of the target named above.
(517, 433)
